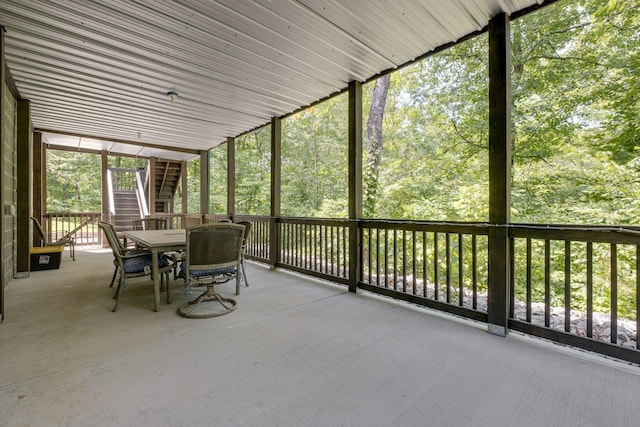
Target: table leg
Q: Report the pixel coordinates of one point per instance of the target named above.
(156, 281)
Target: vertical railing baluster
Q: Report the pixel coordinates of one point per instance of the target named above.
(395, 259)
(614, 293)
(436, 272)
(567, 285)
(377, 256)
(369, 254)
(447, 240)
(424, 264)
(528, 281)
(404, 261)
(314, 247)
(345, 251)
(305, 245)
(460, 271)
(474, 270)
(293, 246)
(413, 263)
(512, 277)
(337, 250)
(590, 289)
(319, 246)
(547, 283)
(386, 258)
(333, 251)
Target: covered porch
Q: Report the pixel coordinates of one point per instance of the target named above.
(298, 351)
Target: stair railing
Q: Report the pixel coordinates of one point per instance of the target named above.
(141, 194)
(112, 204)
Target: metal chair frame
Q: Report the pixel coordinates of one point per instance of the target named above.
(213, 256)
(122, 255)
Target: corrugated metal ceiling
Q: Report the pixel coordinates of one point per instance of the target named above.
(103, 68)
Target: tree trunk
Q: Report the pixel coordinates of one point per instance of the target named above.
(374, 145)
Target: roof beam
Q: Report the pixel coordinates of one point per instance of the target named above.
(122, 141)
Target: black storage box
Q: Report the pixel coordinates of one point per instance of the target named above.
(45, 258)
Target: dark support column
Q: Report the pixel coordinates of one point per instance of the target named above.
(185, 198)
(499, 173)
(152, 186)
(205, 186)
(105, 186)
(276, 180)
(23, 187)
(231, 176)
(37, 171)
(355, 181)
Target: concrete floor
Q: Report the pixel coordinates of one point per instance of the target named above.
(296, 352)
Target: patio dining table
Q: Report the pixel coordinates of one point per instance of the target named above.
(158, 241)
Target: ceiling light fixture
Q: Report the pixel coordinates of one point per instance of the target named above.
(173, 96)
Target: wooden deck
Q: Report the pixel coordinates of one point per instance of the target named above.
(296, 352)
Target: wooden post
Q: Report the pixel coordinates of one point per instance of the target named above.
(23, 187)
(499, 173)
(185, 183)
(276, 182)
(355, 181)
(105, 194)
(205, 185)
(152, 186)
(231, 176)
(38, 165)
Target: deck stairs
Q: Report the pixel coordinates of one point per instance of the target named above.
(167, 174)
(126, 209)
(129, 188)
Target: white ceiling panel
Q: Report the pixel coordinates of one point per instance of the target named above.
(103, 68)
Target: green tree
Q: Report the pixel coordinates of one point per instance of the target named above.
(73, 182)
(314, 160)
(253, 172)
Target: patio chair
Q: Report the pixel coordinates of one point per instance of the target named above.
(132, 263)
(65, 240)
(245, 238)
(213, 257)
(150, 224)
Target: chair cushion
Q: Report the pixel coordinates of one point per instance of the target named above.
(138, 263)
(206, 273)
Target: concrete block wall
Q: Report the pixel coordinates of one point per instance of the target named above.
(8, 183)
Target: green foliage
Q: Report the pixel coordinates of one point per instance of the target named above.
(253, 172)
(314, 160)
(435, 159)
(576, 67)
(73, 182)
(193, 187)
(217, 180)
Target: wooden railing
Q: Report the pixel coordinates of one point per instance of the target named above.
(82, 226)
(439, 265)
(445, 266)
(258, 243)
(577, 285)
(123, 179)
(590, 273)
(318, 247)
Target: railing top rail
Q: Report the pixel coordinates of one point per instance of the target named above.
(598, 234)
(477, 228)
